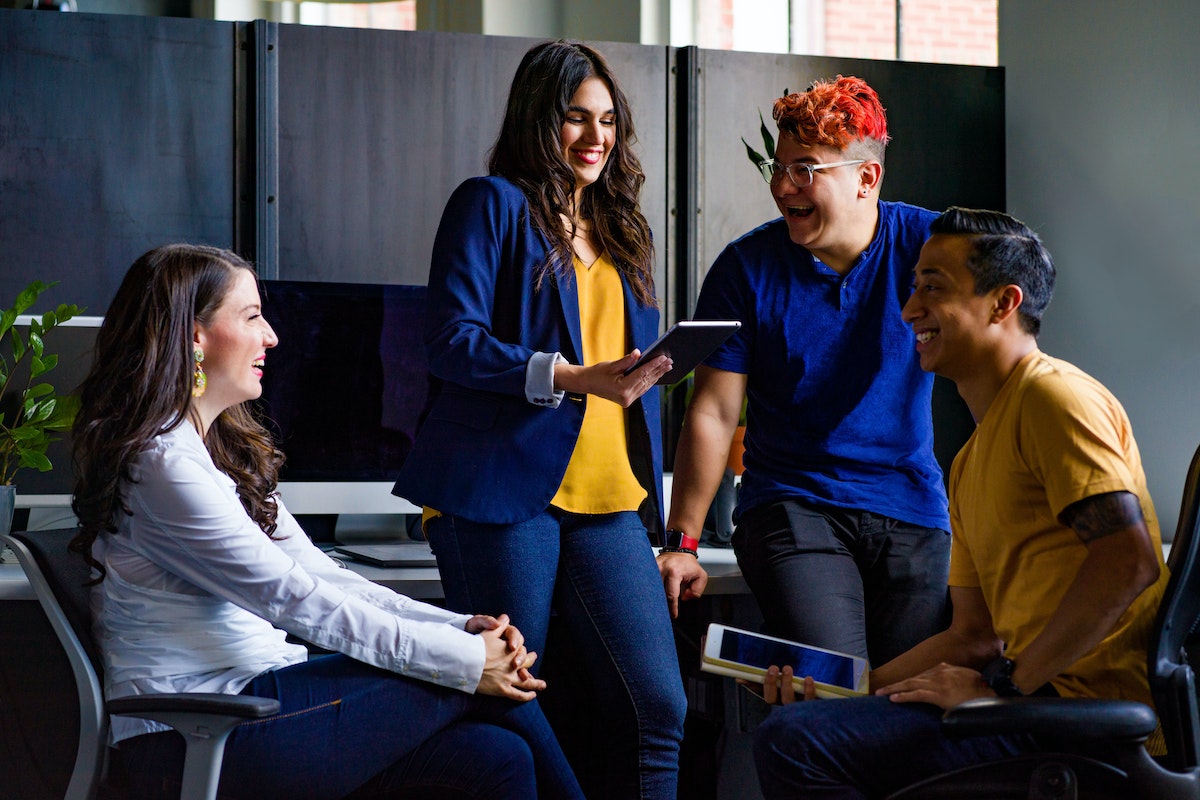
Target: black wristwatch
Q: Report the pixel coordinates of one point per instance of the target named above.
(998, 676)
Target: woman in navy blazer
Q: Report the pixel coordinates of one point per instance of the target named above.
(539, 462)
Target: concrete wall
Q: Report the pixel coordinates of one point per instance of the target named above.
(1103, 120)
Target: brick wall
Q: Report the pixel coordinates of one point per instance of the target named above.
(950, 31)
(860, 28)
(941, 31)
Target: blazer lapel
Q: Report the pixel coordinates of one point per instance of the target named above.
(568, 295)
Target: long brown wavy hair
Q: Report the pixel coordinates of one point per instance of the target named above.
(529, 152)
(139, 386)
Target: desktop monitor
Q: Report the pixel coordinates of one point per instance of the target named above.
(343, 392)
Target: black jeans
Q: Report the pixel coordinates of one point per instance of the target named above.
(846, 580)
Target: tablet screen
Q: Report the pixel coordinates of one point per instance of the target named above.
(687, 343)
(834, 669)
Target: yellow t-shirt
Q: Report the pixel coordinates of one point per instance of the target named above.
(599, 478)
(1053, 436)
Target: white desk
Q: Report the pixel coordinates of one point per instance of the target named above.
(366, 511)
(724, 577)
(423, 583)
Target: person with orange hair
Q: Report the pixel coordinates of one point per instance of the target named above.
(841, 523)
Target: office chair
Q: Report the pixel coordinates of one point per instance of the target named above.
(1099, 743)
(58, 579)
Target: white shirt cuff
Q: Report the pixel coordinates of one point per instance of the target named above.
(539, 379)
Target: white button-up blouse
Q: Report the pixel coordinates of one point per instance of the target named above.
(197, 598)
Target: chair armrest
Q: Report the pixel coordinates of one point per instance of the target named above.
(205, 720)
(231, 705)
(1078, 719)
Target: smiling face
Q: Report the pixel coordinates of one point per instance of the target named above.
(589, 131)
(951, 322)
(235, 342)
(834, 216)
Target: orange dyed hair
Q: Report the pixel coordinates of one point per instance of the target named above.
(833, 113)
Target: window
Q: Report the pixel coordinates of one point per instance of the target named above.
(942, 31)
(396, 15)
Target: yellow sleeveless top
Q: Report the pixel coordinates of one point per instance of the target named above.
(599, 478)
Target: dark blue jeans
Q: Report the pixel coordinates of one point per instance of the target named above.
(850, 581)
(864, 747)
(597, 574)
(346, 729)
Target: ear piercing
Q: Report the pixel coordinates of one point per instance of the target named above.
(199, 379)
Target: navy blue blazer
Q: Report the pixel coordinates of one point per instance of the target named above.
(483, 451)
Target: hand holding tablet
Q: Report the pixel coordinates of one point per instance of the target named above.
(687, 344)
(747, 655)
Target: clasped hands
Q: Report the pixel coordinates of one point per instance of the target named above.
(507, 663)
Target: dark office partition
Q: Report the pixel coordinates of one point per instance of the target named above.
(116, 134)
(946, 122)
(376, 128)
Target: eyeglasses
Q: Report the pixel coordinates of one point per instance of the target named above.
(772, 169)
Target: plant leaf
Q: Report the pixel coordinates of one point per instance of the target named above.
(39, 366)
(753, 155)
(37, 412)
(64, 414)
(65, 312)
(35, 339)
(767, 137)
(18, 345)
(6, 320)
(36, 460)
(29, 295)
(24, 435)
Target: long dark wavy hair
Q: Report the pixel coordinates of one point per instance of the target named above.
(529, 152)
(140, 383)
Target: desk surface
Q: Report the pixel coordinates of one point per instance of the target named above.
(423, 583)
(724, 577)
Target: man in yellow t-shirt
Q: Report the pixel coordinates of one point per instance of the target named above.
(1056, 567)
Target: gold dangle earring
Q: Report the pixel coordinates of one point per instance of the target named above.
(199, 379)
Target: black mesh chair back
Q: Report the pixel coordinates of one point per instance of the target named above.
(59, 580)
(68, 579)
(1172, 680)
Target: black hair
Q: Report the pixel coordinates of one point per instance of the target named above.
(1004, 251)
(529, 153)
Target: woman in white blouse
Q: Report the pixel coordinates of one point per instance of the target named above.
(201, 573)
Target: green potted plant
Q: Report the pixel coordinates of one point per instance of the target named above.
(31, 410)
(768, 138)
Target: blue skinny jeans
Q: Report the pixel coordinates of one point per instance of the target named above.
(349, 730)
(597, 574)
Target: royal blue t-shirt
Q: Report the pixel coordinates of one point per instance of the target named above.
(838, 407)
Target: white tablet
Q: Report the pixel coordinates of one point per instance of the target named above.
(745, 654)
(687, 343)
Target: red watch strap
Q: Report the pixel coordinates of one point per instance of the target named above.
(678, 539)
